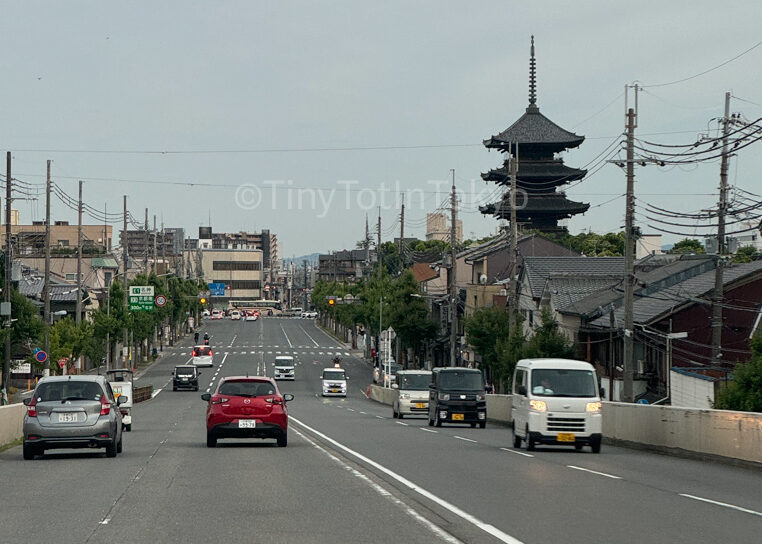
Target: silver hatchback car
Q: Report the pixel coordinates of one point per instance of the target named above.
(72, 412)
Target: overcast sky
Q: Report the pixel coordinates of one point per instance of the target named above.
(253, 93)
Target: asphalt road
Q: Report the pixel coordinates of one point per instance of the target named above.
(351, 473)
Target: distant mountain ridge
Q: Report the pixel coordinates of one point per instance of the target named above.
(312, 260)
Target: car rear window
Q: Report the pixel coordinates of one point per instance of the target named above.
(185, 371)
(203, 350)
(68, 390)
(247, 389)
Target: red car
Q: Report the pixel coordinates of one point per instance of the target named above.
(246, 407)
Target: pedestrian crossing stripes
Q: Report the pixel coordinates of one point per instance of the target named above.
(271, 352)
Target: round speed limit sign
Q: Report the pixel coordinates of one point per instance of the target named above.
(160, 300)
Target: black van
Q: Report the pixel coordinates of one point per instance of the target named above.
(456, 395)
(185, 377)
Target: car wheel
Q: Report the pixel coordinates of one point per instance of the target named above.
(119, 446)
(595, 445)
(530, 441)
(30, 452)
(472, 425)
(482, 424)
(211, 440)
(128, 427)
(516, 440)
(577, 447)
(111, 449)
(283, 440)
(400, 415)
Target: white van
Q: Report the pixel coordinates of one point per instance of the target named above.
(556, 401)
(284, 367)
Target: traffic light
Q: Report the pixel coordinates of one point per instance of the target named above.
(331, 301)
(203, 300)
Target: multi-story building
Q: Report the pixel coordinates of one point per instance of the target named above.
(346, 265)
(30, 239)
(265, 241)
(240, 270)
(140, 243)
(437, 228)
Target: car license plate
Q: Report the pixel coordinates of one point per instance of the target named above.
(565, 437)
(246, 423)
(420, 405)
(458, 417)
(334, 390)
(68, 417)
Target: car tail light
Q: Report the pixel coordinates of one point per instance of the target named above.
(274, 400)
(211, 354)
(124, 412)
(31, 409)
(194, 353)
(219, 400)
(105, 406)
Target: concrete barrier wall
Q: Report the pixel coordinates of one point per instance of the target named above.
(11, 423)
(737, 435)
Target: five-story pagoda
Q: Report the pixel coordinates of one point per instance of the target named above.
(539, 205)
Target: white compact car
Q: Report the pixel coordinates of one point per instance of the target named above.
(251, 316)
(284, 368)
(556, 401)
(235, 315)
(412, 393)
(202, 356)
(334, 382)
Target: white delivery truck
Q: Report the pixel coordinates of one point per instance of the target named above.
(556, 401)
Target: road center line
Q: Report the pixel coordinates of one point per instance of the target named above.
(310, 337)
(595, 472)
(428, 430)
(517, 452)
(718, 503)
(287, 340)
(466, 439)
(486, 527)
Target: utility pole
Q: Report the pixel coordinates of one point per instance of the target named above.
(305, 306)
(513, 241)
(453, 273)
(628, 358)
(7, 283)
(145, 244)
(78, 317)
(155, 254)
(719, 292)
(378, 244)
(125, 337)
(46, 285)
(367, 245)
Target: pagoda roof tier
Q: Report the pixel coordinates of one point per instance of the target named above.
(536, 206)
(547, 172)
(533, 131)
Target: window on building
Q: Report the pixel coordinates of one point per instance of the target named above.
(236, 265)
(244, 284)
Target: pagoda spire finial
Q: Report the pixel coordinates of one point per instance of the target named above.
(532, 78)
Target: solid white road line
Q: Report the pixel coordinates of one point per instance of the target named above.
(595, 472)
(486, 527)
(428, 430)
(156, 392)
(308, 336)
(465, 439)
(441, 534)
(517, 452)
(287, 340)
(724, 504)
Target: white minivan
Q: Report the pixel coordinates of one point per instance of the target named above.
(556, 401)
(284, 367)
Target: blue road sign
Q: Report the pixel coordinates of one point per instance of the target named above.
(217, 289)
(41, 356)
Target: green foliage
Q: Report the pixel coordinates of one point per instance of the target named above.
(744, 392)
(688, 246)
(484, 329)
(548, 340)
(591, 244)
(745, 254)
(27, 328)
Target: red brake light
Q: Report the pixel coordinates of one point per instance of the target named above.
(194, 353)
(31, 409)
(210, 353)
(218, 400)
(105, 406)
(274, 400)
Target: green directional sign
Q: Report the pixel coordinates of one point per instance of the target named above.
(141, 298)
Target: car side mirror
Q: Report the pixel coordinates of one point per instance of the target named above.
(206, 396)
(121, 400)
(523, 390)
(27, 402)
(288, 397)
(198, 374)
